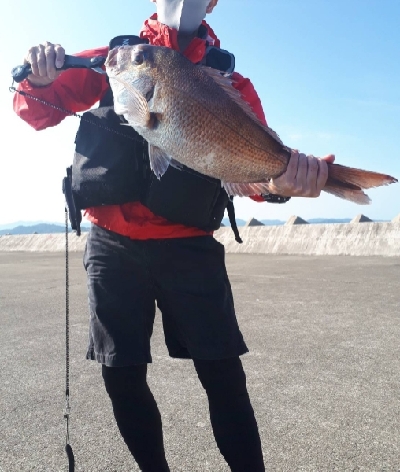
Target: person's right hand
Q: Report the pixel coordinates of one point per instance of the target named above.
(45, 59)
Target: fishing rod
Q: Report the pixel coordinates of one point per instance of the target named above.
(95, 63)
(21, 72)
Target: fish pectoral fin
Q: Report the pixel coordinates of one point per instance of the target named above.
(246, 189)
(159, 161)
(134, 107)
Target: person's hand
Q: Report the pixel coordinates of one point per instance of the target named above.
(305, 176)
(44, 60)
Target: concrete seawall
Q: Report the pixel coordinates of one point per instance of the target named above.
(362, 239)
(42, 242)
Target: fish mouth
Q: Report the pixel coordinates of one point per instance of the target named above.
(121, 56)
(112, 58)
(116, 58)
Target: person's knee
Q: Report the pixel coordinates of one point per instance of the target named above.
(124, 381)
(224, 377)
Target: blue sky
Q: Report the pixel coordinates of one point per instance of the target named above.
(327, 73)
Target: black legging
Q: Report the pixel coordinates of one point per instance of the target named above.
(231, 414)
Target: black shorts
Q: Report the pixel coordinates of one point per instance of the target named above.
(187, 279)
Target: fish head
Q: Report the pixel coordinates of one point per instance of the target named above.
(131, 63)
(137, 70)
(132, 75)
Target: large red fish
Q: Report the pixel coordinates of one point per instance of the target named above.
(191, 115)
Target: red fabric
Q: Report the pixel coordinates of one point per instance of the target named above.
(79, 89)
(257, 198)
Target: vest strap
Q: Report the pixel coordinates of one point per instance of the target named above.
(231, 215)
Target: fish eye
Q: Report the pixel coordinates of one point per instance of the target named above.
(137, 59)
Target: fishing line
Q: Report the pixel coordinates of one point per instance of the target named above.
(12, 89)
(67, 411)
(68, 448)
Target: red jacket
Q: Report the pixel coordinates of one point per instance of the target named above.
(79, 89)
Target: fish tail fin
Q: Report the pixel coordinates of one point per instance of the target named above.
(348, 183)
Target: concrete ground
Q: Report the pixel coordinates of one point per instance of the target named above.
(323, 371)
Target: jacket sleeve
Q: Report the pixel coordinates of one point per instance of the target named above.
(74, 90)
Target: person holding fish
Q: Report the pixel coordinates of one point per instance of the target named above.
(151, 238)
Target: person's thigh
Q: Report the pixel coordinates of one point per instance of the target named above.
(121, 299)
(195, 297)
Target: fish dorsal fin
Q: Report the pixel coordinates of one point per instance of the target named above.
(226, 84)
(159, 161)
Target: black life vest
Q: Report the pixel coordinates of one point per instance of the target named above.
(111, 167)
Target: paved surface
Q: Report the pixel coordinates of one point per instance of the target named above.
(323, 371)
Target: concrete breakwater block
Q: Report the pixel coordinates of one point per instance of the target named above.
(253, 222)
(361, 219)
(296, 220)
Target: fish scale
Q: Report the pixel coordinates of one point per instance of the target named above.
(223, 125)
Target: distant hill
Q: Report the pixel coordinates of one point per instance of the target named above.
(50, 228)
(328, 220)
(272, 222)
(41, 228)
(239, 222)
(14, 224)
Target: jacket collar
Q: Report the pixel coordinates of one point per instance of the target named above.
(159, 34)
